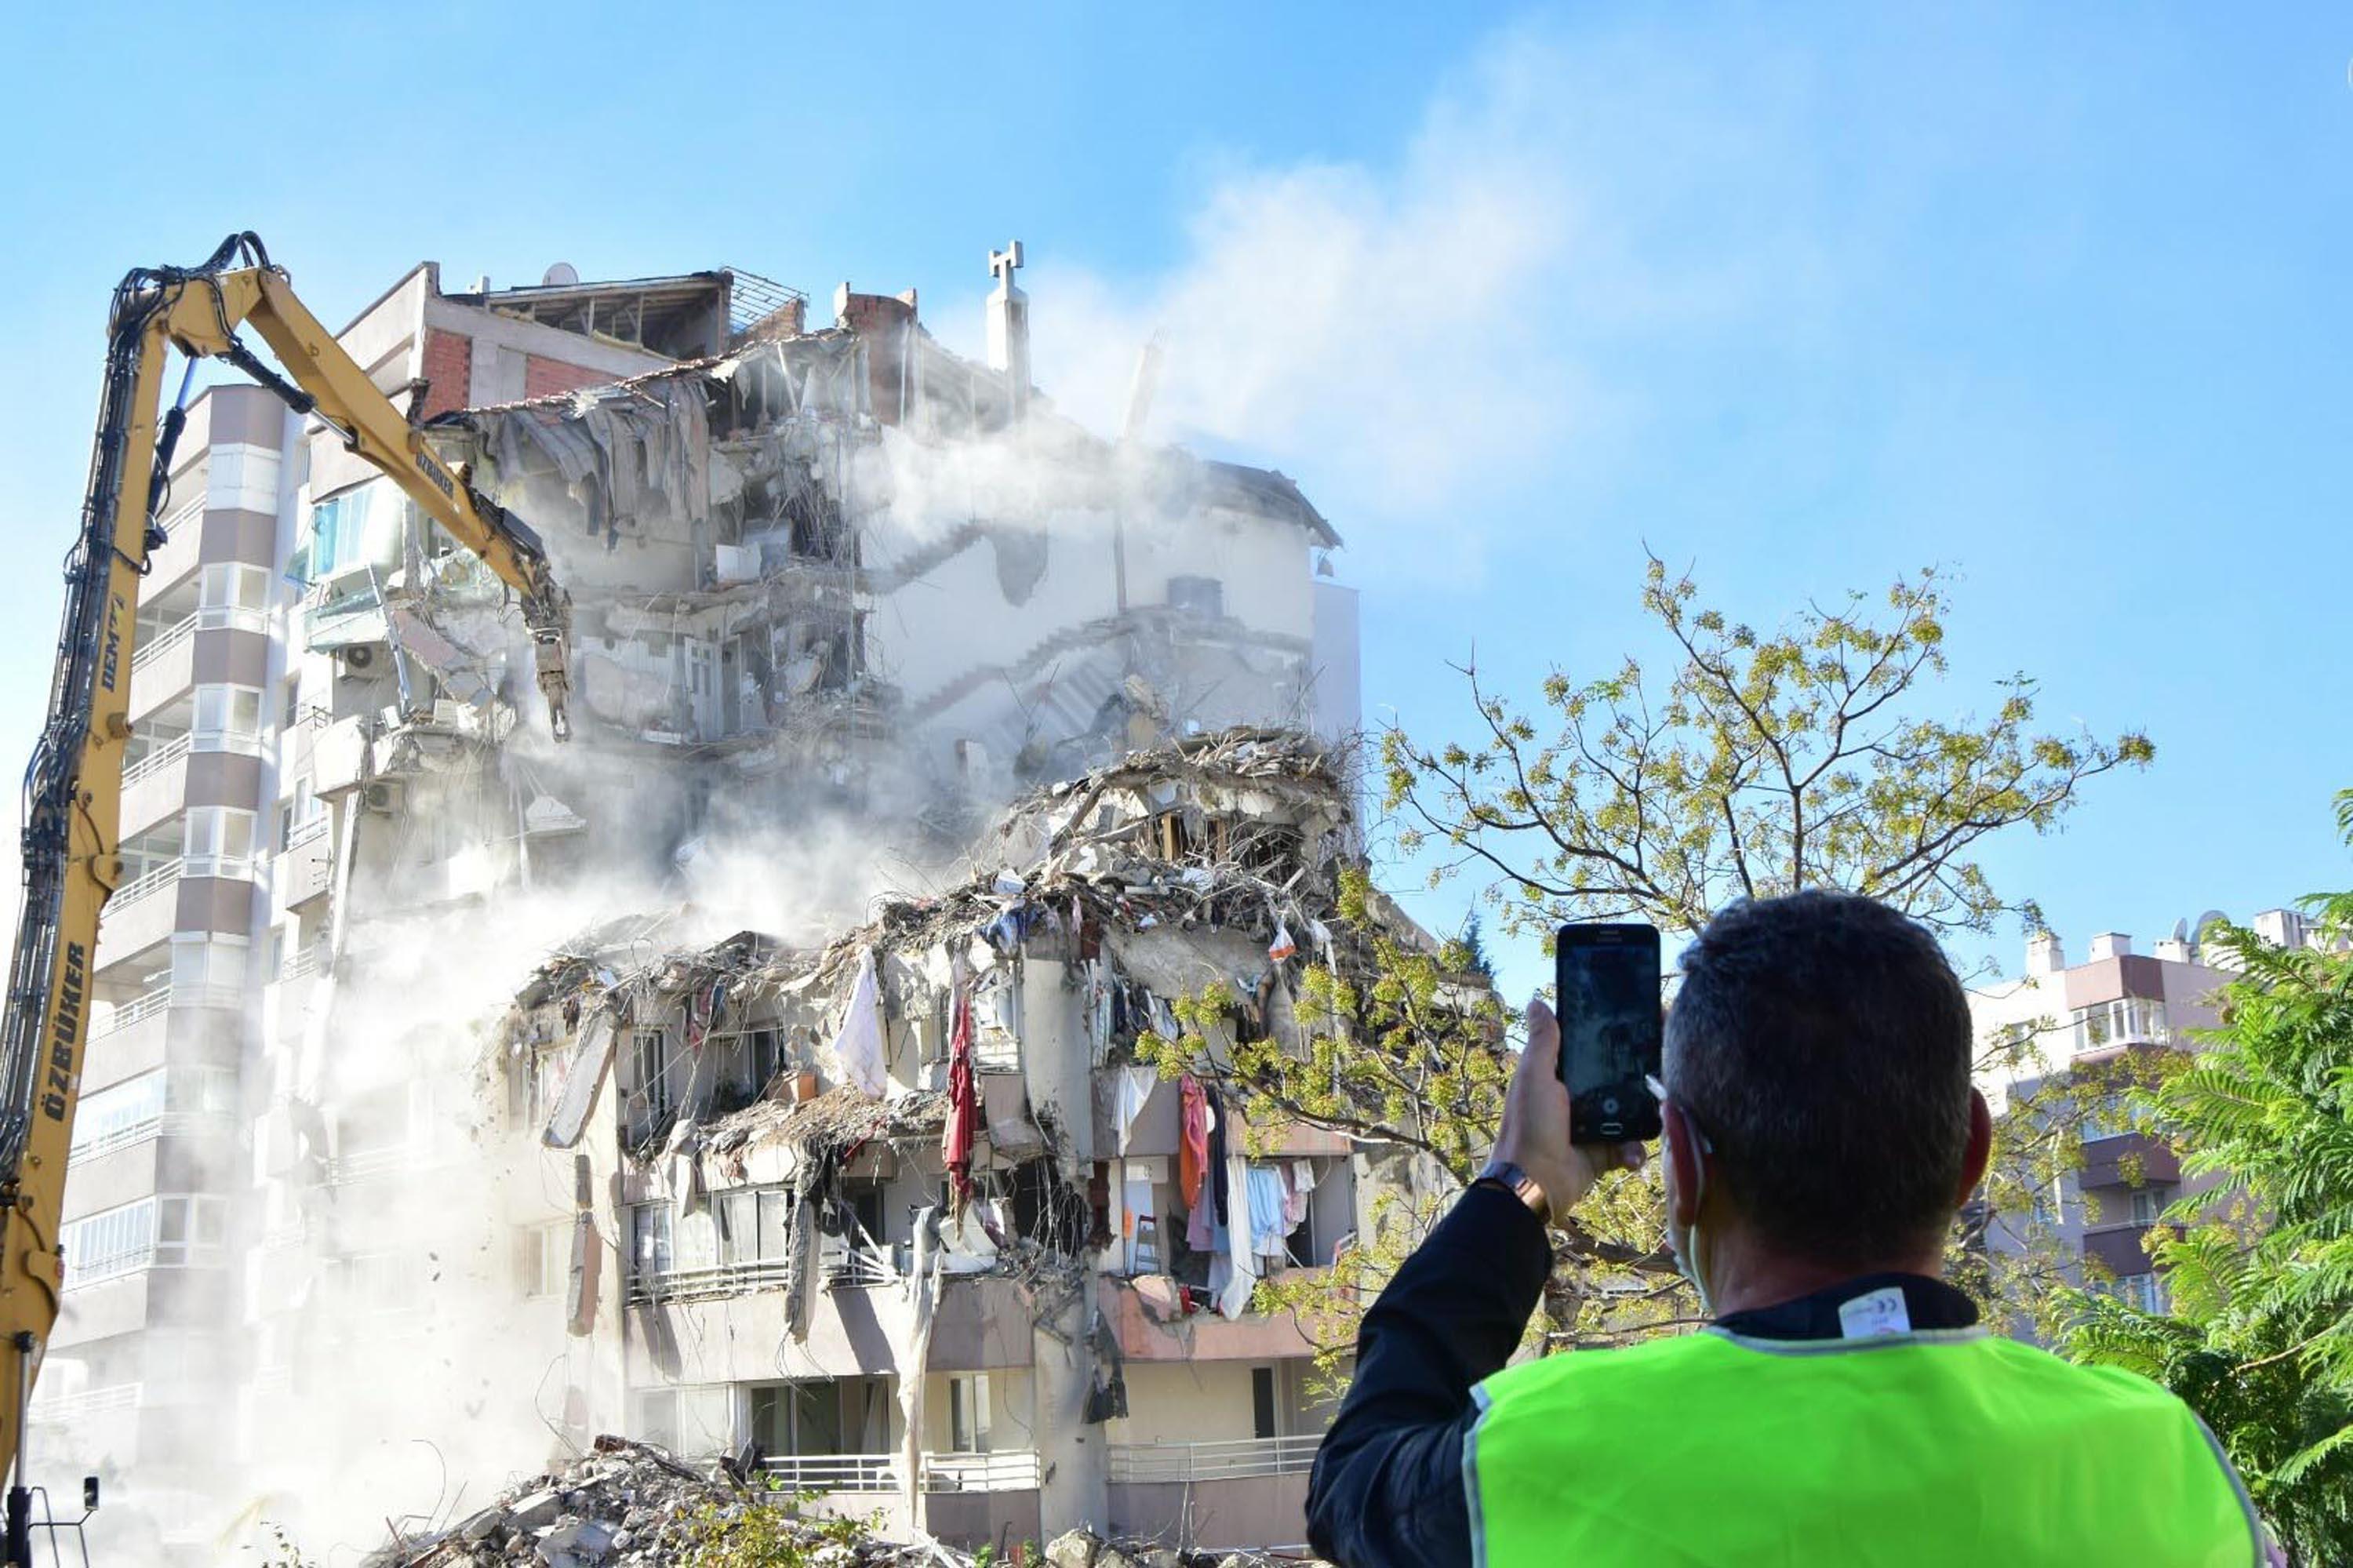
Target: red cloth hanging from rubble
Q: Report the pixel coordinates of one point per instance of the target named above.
(963, 1100)
(1193, 1139)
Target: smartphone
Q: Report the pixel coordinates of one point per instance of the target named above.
(1611, 1030)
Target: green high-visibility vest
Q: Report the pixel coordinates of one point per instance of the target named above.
(1905, 1451)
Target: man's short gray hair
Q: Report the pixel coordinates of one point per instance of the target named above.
(1821, 1042)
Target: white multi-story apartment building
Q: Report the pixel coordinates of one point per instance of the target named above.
(2078, 1028)
(823, 580)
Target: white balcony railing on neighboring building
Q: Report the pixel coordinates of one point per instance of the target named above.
(71, 1407)
(157, 759)
(303, 832)
(163, 641)
(721, 1279)
(165, 997)
(154, 882)
(303, 964)
(370, 1164)
(1014, 1471)
(136, 1010)
(1236, 1459)
(834, 1472)
(169, 1124)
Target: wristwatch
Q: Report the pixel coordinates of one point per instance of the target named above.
(1519, 1184)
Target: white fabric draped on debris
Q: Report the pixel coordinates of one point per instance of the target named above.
(858, 1047)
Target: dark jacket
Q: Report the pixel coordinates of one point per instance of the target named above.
(1387, 1486)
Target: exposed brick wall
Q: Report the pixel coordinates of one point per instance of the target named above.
(885, 323)
(449, 369)
(543, 376)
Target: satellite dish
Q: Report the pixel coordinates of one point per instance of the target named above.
(2212, 917)
(562, 275)
(2181, 930)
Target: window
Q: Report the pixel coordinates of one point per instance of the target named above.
(120, 1114)
(171, 1232)
(697, 1420)
(547, 1260)
(225, 587)
(755, 1226)
(209, 972)
(652, 1048)
(2144, 1291)
(1262, 1402)
(228, 718)
(2148, 1204)
(217, 842)
(650, 1247)
(801, 1417)
(342, 525)
(290, 701)
(2127, 1020)
(968, 1420)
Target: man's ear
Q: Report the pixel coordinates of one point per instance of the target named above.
(1684, 1157)
(1980, 1152)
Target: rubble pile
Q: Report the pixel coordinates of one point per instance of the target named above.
(627, 1503)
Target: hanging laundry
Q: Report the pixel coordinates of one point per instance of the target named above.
(858, 1047)
(1233, 1296)
(964, 1098)
(1268, 1226)
(1129, 1094)
(1299, 1176)
(1192, 1139)
(1219, 1183)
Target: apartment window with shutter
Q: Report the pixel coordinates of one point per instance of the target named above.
(1262, 1402)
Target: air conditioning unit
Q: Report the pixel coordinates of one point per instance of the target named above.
(358, 659)
(382, 796)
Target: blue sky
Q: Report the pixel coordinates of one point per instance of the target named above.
(1803, 296)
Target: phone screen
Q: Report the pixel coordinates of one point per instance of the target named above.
(1610, 1028)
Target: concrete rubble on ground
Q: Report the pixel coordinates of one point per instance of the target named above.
(627, 1503)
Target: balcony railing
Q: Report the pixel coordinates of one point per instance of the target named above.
(80, 1407)
(303, 964)
(1237, 1459)
(170, 637)
(137, 1008)
(163, 876)
(845, 1264)
(303, 832)
(1017, 1471)
(369, 1164)
(157, 759)
(835, 1472)
(169, 1124)
(722, 1279)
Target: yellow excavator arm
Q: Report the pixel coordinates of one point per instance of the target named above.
(73, 785)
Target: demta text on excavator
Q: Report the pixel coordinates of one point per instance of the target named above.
(73, 785)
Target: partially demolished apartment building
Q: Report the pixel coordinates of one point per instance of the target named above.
(876, 1197)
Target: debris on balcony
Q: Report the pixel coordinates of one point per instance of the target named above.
(626, 1503)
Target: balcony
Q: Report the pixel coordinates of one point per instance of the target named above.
(1238, 1458)
(155, 786)
(2129, 1160)
(647, 1288)
(142, 912)
(164, 669)
(1249, 1491)
(1152, 1326)
(306, 867)
(2123, 1249)
(1014, 1471)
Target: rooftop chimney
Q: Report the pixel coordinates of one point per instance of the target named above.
(1008, 325)
(2110, 945)
(2044, 956)
(2172, 950)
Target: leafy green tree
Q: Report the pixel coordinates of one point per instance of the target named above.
(2259, 1266)
(1750, 763)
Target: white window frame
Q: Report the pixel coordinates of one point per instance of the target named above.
(217, 841)
(227, 718)
(971, 1420)
(2121, 1020)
